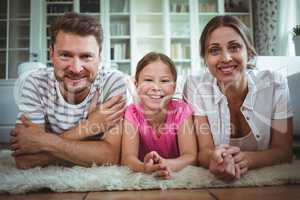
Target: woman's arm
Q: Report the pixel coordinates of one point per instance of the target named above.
(218, 159)
(280, 150)
(187, 147)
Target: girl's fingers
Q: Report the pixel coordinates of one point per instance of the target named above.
(13, 140)
(14, 147)
(161, 173)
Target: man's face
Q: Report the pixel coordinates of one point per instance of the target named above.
(76, 60)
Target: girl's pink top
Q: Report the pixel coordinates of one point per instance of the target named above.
(165, 144)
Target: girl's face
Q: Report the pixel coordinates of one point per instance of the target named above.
(226, 55)
(155, 85)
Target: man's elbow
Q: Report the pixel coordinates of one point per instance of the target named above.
(111, 157)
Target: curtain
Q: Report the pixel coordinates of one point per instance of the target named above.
(289, 16)
(265, 17)
(273, 24)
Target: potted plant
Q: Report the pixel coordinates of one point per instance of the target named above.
(296, 38)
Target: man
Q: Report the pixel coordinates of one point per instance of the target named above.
(62, 107)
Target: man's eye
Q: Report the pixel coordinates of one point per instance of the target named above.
(64, 56)
(86, 57)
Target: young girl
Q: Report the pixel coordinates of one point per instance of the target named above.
(158, 132)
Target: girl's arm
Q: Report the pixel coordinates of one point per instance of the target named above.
(205, 140)
(187, 147)
(280, 147)
(130, 147)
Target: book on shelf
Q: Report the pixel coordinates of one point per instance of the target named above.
(208, 7)
(119, 29)
(119, 51)
(180, 51)
(179, 6)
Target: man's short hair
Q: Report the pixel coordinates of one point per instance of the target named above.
(78, 24)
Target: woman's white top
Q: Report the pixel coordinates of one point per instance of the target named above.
(245, 143)
(267, 99)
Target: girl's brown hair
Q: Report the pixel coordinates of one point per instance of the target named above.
(152, 57)
(227, 21)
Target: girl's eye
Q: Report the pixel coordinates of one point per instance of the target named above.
(214, 51)
(165, 81)
(147, 80)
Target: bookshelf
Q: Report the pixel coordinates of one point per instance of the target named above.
(54, 9)
(14, 36)
(120, 35)
(131, 28)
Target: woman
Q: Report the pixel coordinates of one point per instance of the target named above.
(243, 116)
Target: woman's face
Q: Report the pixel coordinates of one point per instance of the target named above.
(226, 55)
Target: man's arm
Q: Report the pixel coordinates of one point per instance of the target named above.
(27, 140)
(106, 151)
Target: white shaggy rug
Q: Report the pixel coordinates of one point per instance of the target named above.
(80, 179)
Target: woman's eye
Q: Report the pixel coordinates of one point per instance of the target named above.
(234, 48)
(214, 51)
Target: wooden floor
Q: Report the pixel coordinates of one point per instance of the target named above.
(291, 192)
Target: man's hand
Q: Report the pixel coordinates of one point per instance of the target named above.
(103, 117)
(26, 137)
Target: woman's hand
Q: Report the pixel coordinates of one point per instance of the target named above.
(241, 161)
(222, 163)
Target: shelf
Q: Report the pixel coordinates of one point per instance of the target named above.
(121, 37)
(55, 14)
(148, 14)
(208, 14)
(150, 37)
(121, 61)
(127, 14)
(182, 60)
(92, 14)
(59, 2)
(238, 13)
(180, 37)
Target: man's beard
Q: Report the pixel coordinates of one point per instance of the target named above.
(75, 76)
